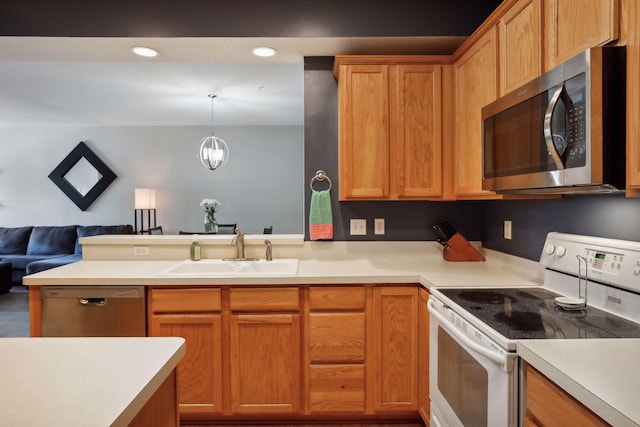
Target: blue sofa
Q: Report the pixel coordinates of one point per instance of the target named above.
(37, 248)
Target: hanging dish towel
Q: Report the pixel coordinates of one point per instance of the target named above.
(320, 216)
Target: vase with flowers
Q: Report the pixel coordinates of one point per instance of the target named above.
(210, 208)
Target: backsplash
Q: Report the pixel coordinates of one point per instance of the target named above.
(602, 215)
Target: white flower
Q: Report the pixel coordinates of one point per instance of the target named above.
(206, 203)
(210, 207)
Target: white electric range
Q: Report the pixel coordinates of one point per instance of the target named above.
(591, 289)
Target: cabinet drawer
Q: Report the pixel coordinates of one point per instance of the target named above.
(346, 298)
(264, 299)
(185, 300)
(337, 337)
(336, 388)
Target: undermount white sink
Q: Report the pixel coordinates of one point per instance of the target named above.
(231, 268)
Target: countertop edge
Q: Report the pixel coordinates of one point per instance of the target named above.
(130, 412)
(572, 386)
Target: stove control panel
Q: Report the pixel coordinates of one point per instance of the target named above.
(604, 261)
(611, 261)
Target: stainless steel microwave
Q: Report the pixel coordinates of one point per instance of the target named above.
(563, 132)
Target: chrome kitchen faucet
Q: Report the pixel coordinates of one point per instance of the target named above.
(238, 242)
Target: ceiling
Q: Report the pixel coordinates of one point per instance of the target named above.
(99, 81)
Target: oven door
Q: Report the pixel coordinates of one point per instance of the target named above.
(472, 382)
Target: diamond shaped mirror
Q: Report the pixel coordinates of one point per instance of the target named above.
(82, 176)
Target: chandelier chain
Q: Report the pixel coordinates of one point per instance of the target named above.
(212, 97)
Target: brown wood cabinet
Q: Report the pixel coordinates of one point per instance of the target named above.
(575, 25)
(424, 402)
(265, 351)
(193, 314)
(520, 44)
(161, 410)
(336, 350)
(395, 343)
(632, 12)
(295, 352)
(475, 85)
(547, 405)
(390, 127)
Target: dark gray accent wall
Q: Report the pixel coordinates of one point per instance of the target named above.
(612, 216)
(242, 18)
(404, 220)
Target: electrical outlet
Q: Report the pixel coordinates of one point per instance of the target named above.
(141, 250)
(358, 227)
(507, 230)
(378, 226)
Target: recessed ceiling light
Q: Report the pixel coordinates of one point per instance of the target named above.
(145, 51)
(264, 51)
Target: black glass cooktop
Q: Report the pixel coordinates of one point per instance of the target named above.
(531, 313)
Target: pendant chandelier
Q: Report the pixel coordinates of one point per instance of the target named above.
(214, 152)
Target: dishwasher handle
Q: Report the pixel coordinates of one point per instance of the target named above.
(98, 302)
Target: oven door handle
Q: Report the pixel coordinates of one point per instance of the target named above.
(496, 357)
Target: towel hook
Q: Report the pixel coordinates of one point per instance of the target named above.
(320, 176)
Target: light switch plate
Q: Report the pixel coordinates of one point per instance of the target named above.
(378, 226)
(507, 230)
(358, 227)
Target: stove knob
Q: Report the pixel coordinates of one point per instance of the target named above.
(550, 249)
(560, 251)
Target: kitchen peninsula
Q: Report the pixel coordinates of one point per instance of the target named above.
(89, 381)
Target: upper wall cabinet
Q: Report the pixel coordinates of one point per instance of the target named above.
(520, 43)
(575, 25)
(633, 104)
(390, 127)
(475, 85)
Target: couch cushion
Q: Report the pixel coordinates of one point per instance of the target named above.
(14, 240)
(20, 262)
(46, 264)
(56, 240)
(97, 230)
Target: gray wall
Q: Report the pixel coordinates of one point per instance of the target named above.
(258, 187)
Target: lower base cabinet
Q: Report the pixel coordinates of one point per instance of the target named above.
(424, 402)
(335, 350)
(287, 353)
(193, 314)
(395, 340)
(265, 363)
(547, 405)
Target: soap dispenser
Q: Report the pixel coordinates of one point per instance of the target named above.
(195, 249)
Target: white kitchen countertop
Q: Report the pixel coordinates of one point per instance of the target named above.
(81, 381)
(600, 373)
(335, 263)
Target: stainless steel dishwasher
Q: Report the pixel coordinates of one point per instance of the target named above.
(93, 311)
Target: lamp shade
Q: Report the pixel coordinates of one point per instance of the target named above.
(145, 198)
